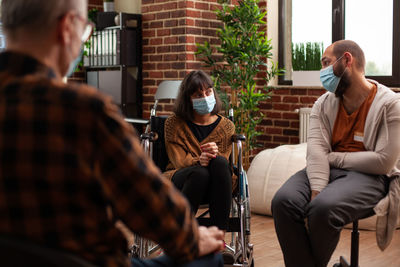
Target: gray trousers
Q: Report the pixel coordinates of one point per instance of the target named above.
(348, 196)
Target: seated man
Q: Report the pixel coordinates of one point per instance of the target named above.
(353, 149)
(66, 154)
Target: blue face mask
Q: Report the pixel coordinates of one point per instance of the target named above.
(74, 64)
(204, 105)
(328, 78)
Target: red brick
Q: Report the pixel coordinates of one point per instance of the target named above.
(155, 58)
(149, 66)
(155, 74)
(295, 124)
(191, 48)
(171, 23)
(170, 40)
(290, 116)
(190, 39)
(163, 32)
(209, 32)
(316, 92)
(163, 49)
(146, 2)
(202, 5)
(201, 39)
(298, 91)
(193, 14)
(266, 122)
(148, 50)
(281, 91)
(171, 74)
(290, 132)
(176, 31)
(163, 15)
(178, 14)
(294, 140)
(148, 17)
(155, 8)
(307, 100)
(163, 66)
(156, 24)
(276, 115)
(193, 65)
(264, 138)
(208, 15)
(177, 48)
(149, 33)
(202, 23)
(284, 107)
(290, 99)
(170, 57)
(170, 6)
(281, 123)
(156, 41)
(178, 65)
(265, 106)
(270, 130)
(281, 139)
(190, 30)
(215, 24)
(148, 82)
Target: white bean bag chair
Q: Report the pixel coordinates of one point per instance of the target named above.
(270, 169)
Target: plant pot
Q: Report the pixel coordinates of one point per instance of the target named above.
(108, 6)
(306, 78)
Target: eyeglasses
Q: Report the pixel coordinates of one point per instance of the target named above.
(88, 30)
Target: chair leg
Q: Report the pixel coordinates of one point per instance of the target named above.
(355, 237)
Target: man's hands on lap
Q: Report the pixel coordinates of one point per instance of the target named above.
(210, 240)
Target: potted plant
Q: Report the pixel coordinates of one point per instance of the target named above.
(306, 63)
(238, 62)
(108, 5)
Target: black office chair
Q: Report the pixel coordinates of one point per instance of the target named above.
(354, 254)
(16, 252)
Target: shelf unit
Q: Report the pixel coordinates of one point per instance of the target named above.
(114, 64)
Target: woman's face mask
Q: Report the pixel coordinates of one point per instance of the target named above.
(204, 105)
(328, 78)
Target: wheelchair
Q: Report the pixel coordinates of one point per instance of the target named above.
(239, 221)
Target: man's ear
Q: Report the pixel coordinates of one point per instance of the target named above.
(65, 29)
(349, 58)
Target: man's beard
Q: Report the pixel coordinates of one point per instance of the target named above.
(343, 84)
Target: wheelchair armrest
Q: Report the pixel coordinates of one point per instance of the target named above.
(238, 137)
(151, 136)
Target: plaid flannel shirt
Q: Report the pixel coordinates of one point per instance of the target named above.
(66, 154)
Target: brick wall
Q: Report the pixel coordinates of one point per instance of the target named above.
(281, 124)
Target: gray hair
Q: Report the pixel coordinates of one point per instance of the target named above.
(34, 15)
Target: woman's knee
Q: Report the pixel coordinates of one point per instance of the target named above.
(219, 162)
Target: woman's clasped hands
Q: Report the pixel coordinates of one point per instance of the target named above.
(208, 152)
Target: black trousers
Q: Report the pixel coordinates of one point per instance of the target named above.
(308, 232)
(208, 185)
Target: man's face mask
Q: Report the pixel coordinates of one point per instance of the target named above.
(328, 78)
(74, 64)
(204, 105)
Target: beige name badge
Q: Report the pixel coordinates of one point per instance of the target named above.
(358, 137)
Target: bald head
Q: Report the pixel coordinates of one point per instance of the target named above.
(36, 16)
(342, 46)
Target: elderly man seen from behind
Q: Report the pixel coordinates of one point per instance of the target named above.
(66, 154)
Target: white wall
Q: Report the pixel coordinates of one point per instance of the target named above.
(129, 6)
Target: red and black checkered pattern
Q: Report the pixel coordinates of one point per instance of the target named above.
(66, 154)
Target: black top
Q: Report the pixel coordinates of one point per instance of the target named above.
(202, 131)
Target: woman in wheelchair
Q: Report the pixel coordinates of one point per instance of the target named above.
(198, 144)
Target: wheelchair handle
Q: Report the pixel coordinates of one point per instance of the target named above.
(238, 137)
(151, 136)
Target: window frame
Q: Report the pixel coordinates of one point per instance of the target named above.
(338, 33)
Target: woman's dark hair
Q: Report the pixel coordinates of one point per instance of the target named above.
(193, 82)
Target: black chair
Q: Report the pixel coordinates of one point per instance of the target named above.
(354, 256)
(16, 252)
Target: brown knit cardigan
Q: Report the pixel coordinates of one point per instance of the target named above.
(183, 148)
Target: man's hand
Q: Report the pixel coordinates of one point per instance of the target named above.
(210, 240)
(313, 194)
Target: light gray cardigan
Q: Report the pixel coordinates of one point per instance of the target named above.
(381, 140)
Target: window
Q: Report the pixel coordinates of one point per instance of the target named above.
(374, 25)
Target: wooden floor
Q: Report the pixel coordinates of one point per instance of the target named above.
(267, 252)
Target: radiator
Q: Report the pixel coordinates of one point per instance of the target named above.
(304, 114)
